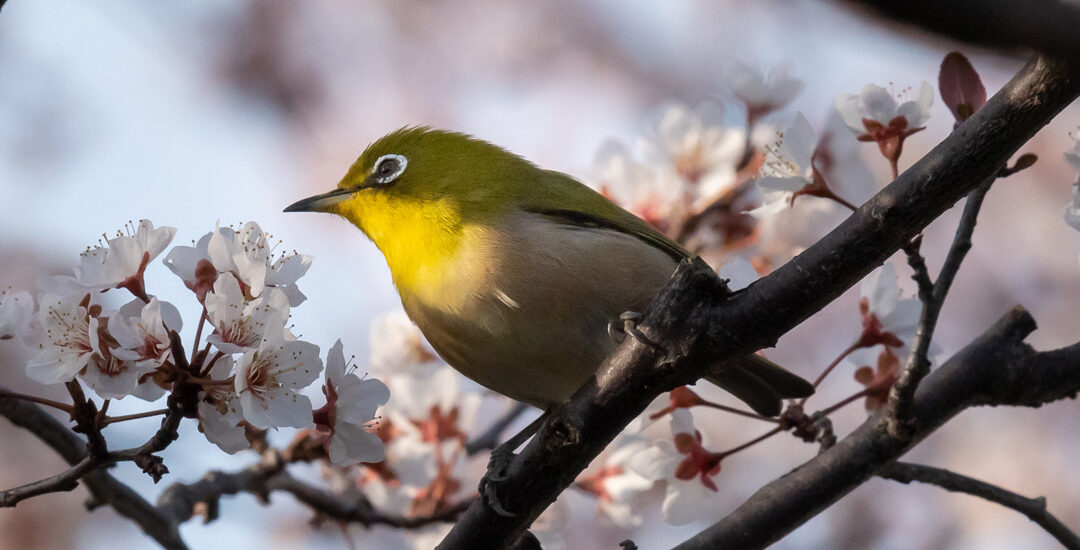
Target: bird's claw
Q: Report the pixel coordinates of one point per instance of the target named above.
(497, 472)
(629, 326)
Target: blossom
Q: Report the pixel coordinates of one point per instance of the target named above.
(220, 417)
(121, 264)
(142, 330)
(696, 147)
(762, 93)
(248, 254)
(878, 382)
(1072, 210)
(877, 116)
(66, 338)
(267, 379)
(16, 309)
(240, 324)
(398, 347)
(656, 197)
(788, 167)
(887, 319)
(618, 489)
(351, 402)
(684, 465)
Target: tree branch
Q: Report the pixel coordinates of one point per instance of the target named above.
(1033, 508)
(980, 374)
(918, 363)
(104, 489)
(694, 323)
(1048, 26)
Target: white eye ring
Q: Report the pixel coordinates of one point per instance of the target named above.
(385, 178)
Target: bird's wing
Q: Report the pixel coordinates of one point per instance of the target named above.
(567, 201)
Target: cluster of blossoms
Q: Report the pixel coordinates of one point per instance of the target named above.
(251, 373)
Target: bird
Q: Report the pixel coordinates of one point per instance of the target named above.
(514, 273)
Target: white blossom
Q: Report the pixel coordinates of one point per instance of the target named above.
(698, 148)
(762, 93)
(123, 261)
(220, 416)
(887, 319)
(652, 195)
(618, 488)
(687, 481)
(880, 105)
(66, 338)
(788, 167)
(350, 408)
(16, 309)
(398, 347)
(267, 379)
(142, 330)
(241, 324)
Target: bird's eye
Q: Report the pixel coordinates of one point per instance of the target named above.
(388, 168)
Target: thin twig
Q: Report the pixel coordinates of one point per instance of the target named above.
(147, 414)
(918, 364)
(39, 400)
(1033, 508)
(67, 480)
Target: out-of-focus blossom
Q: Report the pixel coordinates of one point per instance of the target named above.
(239, 324)
(694, 144)
(879, 381)
(267, 379)
(875, 115)
(122, 262)
(685, 467)
(398, 347)
(887, 319)
(962, 90)
(1073, 156)
(654, 196)
(142, 330)
(351, 402)
(247, 254)
(16, 309)
(66, 338)
(788, 167)
(548, 528)
(220, 416)
(761, 92)
(1072, 210)
(618, 489)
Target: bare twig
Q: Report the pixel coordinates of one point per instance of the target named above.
(1033, 508)
(67, 480)
(933, 298)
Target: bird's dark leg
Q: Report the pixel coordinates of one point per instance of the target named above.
(499, 464)
(629, 326)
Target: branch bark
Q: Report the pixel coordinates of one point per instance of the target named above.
(1033, 508)
(695, 323)
(980, 374)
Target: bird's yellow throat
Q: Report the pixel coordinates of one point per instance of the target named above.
(419, 238)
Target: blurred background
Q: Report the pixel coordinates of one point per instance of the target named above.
(198, 113)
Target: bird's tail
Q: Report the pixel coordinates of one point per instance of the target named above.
(760, 383)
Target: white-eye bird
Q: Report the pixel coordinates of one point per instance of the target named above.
(513, 272)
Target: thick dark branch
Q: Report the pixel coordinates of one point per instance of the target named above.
(1033, 508)
(180, 502)
(983, 373)
(697, 324)
(918, 363)
(1048, 26)
(104, 489)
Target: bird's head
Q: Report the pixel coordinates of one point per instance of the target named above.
(422, 175)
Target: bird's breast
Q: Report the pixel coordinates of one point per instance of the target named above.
(522, 306)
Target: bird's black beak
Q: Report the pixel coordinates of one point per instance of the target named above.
(320, 203)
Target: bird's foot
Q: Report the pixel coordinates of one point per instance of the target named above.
(497, 472)
(629, 326)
